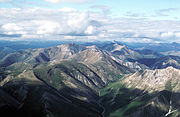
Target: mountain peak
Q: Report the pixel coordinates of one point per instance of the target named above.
(118, 47)
(171, 68)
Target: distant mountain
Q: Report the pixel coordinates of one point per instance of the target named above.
(127, 56)
(157, 47)
(72, 52)
(149, 53)
(121, 50)
(163, 48)
(5, 51)
(7, 47)
(119, 53)
(162, 62)
(166, 61)
(42, 55)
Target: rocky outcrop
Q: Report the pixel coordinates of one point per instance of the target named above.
(155, 80)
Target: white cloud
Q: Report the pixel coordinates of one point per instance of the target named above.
(69, 23)
(177, 34)
(47, 27)
(69, 1)
(12, 28)
(67, 9)
(5, 0)
(90, 30)
(167, 35)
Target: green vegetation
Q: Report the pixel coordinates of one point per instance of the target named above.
(112, 88)
(52, 76)
(130, 108)
(120, 101)
(15, 73)
(168, 86)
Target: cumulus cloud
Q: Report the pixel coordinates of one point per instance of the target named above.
(47, 27)
(167, 35)
(67, 9)
(39, 23)
(69, 23)
(12, 28)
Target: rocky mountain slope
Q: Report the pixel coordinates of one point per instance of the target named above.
(126, 56)
(87, 81)
(25, 97)
(143, 94)
(121, 50)
(35, 56)
(155, 80)
(76, 72)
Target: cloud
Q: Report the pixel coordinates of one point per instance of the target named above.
(177, 34)
(167, 35)
(68, 1)
(10, 35)
(67, 9)
(12, 28)
(41, 23)
(69, 23)
(47, 27)
(5, 0)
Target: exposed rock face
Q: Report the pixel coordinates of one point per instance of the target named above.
(155, 80)
(125, 56)
(121, 50)
(134, 65)
(143, 94)
(91, 55)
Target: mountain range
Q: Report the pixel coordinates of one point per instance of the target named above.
(89, 80)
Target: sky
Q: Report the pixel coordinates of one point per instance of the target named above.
(143, 21)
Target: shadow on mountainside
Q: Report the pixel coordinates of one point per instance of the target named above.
(38, 100)
(139, 103)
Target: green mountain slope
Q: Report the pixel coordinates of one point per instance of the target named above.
(143, 94)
